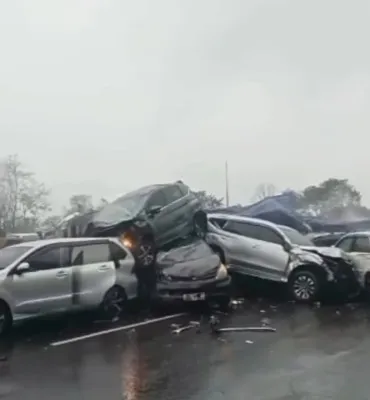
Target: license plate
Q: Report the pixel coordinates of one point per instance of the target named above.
(194, 297)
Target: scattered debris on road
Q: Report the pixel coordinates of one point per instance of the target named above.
(214, 325)
(179, 329)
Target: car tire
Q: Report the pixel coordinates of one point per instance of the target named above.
(114, 302)
(200, 225)
(6, 320)
(146, 253)
(304, 286)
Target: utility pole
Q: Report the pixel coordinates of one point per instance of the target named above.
(227, 184)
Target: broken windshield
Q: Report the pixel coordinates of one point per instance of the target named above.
(124, 208)
(295, 237)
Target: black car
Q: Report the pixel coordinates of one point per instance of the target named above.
(192, 272)
(149, 218)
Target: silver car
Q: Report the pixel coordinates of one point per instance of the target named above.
(278, 253)
(59, 275)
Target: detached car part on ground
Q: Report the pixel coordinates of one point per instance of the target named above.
(147, 219)
(270, 252)
(64, 275)
(192, 272)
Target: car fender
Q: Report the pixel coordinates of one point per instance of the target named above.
(309, 259)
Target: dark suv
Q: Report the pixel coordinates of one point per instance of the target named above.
(150, 218)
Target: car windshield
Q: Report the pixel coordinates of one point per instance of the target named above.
(295, 237)
(10, 254)
(124, 207)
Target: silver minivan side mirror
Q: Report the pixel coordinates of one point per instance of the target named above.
(23, 267)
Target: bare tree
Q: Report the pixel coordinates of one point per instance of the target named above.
(23, 200)
(264, 190)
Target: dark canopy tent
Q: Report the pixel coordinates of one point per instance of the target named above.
(277, 209)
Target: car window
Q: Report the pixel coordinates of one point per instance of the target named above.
(90, 254)
(53, 258)
(157, 199)
(345, 244)
(295, 237)
(172, 193)
(361, 244)
(117, 252)
(254, 231)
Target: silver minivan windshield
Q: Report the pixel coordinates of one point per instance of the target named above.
(10, 254)
(295, 237)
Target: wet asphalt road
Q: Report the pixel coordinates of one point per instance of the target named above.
(316, 353)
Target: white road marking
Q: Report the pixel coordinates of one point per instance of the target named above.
(119, 328)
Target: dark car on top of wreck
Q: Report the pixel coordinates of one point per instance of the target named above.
(146, 220)
(261, 249)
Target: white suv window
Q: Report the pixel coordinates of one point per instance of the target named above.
(361, 244)
(253, 231)
(346, 244)
(90, 254)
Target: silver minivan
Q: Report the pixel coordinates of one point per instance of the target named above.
(59, 275)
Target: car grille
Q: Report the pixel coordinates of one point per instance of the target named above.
(205, 277)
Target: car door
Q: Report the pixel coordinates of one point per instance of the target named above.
(159, 221)
(125, 275)
(259, 252)
(46, 287)
(361, 244)
(271, 255)
(93, 273)
(240, 245)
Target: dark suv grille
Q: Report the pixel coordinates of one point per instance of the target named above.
(205, 277)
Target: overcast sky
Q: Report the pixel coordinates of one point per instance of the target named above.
(103, 96)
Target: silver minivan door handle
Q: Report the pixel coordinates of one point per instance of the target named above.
(61, 274)
(104, 268)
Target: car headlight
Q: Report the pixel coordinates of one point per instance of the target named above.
(127, 241)
(222, 272)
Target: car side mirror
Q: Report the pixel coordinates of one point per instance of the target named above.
(22, 268)
(153, 210)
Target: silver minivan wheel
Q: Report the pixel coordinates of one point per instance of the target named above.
(304, 286)
(114, 302)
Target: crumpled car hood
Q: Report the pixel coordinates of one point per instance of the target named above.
(111, 215)
(332, 252)
(190, 260)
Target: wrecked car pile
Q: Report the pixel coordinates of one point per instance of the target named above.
(194, 253)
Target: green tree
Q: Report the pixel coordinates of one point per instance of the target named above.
(208, 200)
(331, 194)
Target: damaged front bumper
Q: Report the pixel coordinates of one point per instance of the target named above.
(344, 278)
(193, 291)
